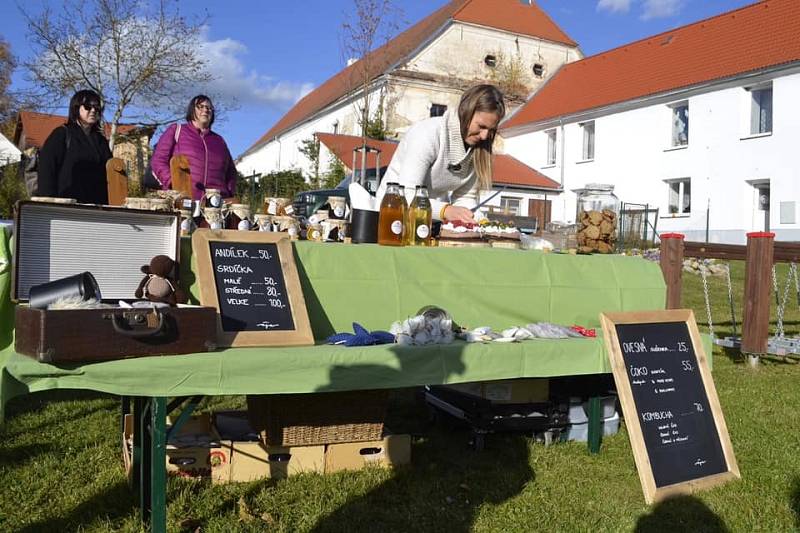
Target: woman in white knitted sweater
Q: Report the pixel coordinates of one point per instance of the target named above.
(451, 155)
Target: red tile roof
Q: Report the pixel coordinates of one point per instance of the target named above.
(507, 169)
(511, 171)
(343, 145)
(755, 37)
(508, 15)
(38, 126)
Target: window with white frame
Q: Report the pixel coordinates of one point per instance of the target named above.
(679, 196)
(510, 205)
(587, 150)
(760, 109)
(680, 124)
(551, 146)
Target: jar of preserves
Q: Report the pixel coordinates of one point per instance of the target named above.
(212, 198)
(278, 206)
(187, 222)
(338, 205)
(392, 216)
(161, 204)
(239, 217)
(213, 218)
(597, 214)
(262, 222)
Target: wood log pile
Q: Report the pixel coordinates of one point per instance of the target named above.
(598, 231)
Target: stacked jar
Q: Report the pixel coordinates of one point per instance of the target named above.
(597, 215)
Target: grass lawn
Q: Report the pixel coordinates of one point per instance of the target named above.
(61, 470)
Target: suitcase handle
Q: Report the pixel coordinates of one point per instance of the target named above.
(120, 326)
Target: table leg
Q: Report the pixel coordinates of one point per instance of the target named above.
(595, 424)
(145, 463)
(158, 465)
(152, 472)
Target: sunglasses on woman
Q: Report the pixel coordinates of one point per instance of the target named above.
(92, 105)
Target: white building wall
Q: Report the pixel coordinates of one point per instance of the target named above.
(284, 153)
(8, 152)
(458, 52)
(633, 151)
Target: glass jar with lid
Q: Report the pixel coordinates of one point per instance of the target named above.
(597, 217)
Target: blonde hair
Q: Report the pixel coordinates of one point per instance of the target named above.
(489, 99)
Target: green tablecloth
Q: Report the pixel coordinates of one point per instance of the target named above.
(375, 286)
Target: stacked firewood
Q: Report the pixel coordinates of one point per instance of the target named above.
(598, 231)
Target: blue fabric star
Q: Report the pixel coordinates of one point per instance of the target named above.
(362, 337)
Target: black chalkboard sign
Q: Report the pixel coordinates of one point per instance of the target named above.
(252, 280)
(250, 286)
(669, 402)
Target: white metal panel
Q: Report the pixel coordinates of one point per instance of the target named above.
(59, 241)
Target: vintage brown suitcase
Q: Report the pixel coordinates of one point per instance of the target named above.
(78, 335)
(54, 241)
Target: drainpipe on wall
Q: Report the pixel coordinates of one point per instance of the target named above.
(563, 144)
(563, 152)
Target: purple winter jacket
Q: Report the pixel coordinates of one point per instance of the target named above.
(210, 161)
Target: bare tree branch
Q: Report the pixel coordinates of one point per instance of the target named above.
(143, 63)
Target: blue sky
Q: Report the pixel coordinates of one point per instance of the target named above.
(267, 53)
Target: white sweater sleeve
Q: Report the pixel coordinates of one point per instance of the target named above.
(467, 194)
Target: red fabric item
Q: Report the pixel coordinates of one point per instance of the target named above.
(584, 331)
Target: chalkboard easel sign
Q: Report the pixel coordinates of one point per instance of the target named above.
(251, 278)
(678, 434)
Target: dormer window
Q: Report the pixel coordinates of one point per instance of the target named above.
(490, 60)
(538, 70)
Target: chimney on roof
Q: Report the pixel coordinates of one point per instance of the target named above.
(351, 61)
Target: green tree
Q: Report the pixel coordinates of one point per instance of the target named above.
(283, 183)
(310, 149)
(335, 175)
(12, 189)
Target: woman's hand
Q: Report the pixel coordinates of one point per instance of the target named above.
(458, 214)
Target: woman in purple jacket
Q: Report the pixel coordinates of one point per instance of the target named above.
(210, 161)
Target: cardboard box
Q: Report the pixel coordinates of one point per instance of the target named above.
(188, 451)
(508, 391)
(248, 461)
(390, 451)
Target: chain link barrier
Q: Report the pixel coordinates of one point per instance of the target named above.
(703, 276)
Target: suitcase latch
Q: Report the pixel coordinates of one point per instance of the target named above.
(137, 322)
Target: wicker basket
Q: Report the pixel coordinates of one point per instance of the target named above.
(318, 418)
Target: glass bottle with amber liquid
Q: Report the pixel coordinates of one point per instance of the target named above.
(418, 219)
(392, 216)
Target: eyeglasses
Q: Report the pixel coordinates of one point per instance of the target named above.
(205, 106)
(90, 106)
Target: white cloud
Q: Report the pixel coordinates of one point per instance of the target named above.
(661, 8)
(246, 86)
(614, 6)
(651, 9)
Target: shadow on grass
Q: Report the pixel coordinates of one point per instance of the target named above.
(33, 403)
(110, 504)
(18, 456)
(681, 513)
(444, 488)
(795, 502)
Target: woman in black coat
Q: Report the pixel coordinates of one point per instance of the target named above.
(72, 162)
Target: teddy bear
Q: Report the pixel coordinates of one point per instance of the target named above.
(158, 285)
